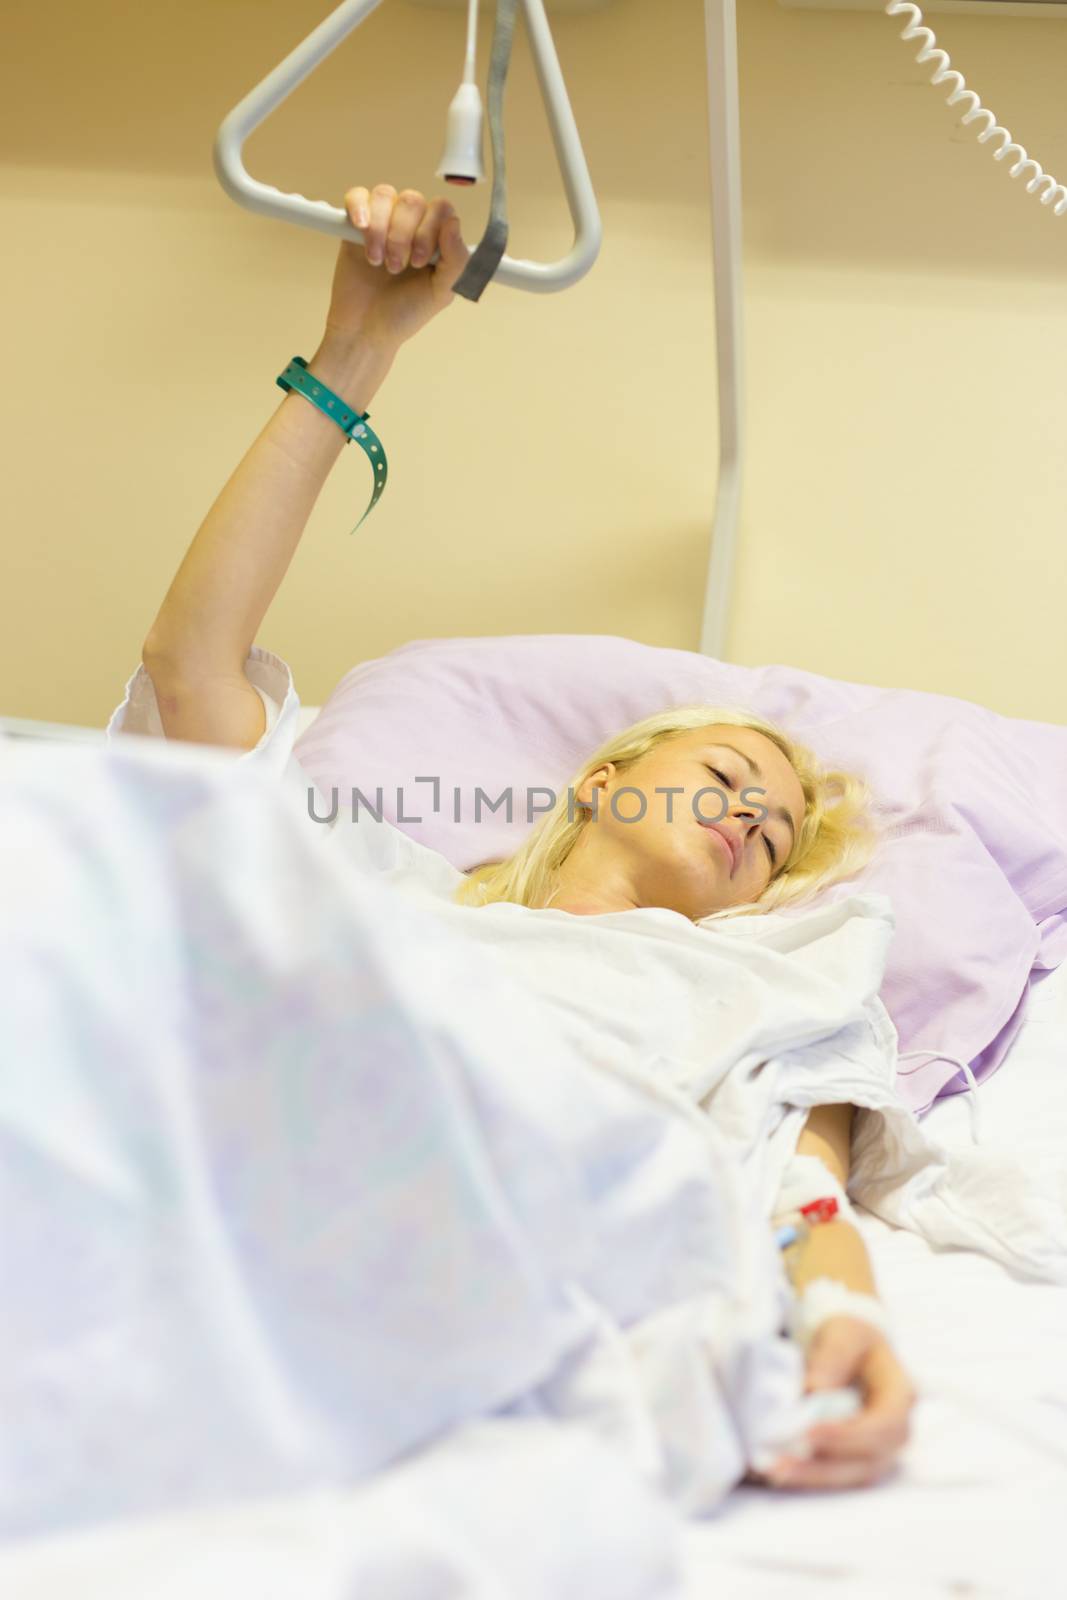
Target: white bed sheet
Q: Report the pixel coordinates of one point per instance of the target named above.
(974, 1509)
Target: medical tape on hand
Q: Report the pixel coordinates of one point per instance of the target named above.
(827, 1297)
(805, 1179)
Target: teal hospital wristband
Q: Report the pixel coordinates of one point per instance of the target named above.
(352, 425)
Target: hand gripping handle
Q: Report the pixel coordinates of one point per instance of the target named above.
(538, 276)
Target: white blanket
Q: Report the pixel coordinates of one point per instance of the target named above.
(295, 1179)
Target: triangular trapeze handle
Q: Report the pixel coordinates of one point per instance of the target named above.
(538, 276)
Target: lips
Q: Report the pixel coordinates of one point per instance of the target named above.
(730, 842)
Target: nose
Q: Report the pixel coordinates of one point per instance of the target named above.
(741, 811)
(745, 818)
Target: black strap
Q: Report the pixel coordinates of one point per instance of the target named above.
(490, 249)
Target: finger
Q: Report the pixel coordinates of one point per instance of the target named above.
(847, 1474)
(407, 214)
(864, 1435)
(860, 1437)
(382, 200)
(357, 204)
(454, 259)
(883, 1425)
(428, 232)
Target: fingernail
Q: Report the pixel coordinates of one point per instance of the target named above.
(393, 264)
(374, 256)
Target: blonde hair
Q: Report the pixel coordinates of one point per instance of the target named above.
(835, 841)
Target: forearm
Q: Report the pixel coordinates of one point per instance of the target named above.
(832, 1250)
(212, 611)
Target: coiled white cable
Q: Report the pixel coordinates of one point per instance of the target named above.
(916, 29)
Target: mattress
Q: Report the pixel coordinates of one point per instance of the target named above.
(974, 1507)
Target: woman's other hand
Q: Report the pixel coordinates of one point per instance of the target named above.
(863, 1449)
(383, 291)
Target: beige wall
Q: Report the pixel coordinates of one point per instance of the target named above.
(552, 458)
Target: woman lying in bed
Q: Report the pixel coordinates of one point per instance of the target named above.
(788, 825)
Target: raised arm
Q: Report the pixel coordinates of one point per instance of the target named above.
(383, 294)
(196, 648)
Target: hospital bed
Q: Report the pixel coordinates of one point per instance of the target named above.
(973, 1508)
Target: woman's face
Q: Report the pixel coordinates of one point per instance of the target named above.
(652, 848)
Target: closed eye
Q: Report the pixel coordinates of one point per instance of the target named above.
(771, 851)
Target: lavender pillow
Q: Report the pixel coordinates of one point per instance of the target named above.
(975, 803)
